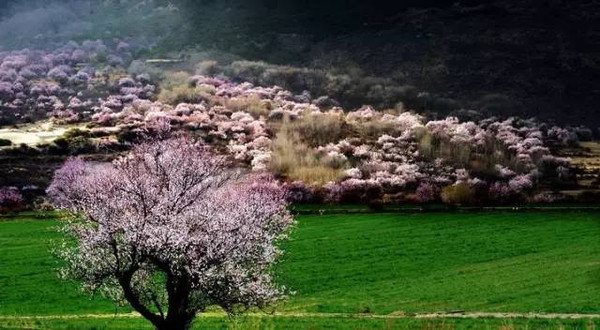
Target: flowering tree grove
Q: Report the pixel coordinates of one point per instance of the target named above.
(171, 230)
(10, 199)
(350, 154)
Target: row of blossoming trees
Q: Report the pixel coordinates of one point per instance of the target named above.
(321, 151)
(329, 154)
(67, 82)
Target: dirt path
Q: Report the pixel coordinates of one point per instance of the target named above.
(467, 315)
(472, 315)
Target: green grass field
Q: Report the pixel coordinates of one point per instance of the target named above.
(246, 323)
(442, 262)
(364, 263)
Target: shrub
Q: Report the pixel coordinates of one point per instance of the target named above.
(247, 70)
(81, 145)
(75, 132)
(427, 192)
(174, 79)
(500, 192)
(299, 192)
(10, 199)
(314, 174)
(552, 197)
(181, 94)
(251, 104)
(178, 88)
(391, 123)
(5, 143)
(353, 191)
(458, 194)
(6, 91)
(72, 146)
(375, 205)
(208, 68)
(129, 136)
(297, 161)
(376, 128)
(139, 67)
(60, 146)
(318, 129)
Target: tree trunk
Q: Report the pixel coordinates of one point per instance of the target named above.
(178, 322)
(178, 316)
(134, 300)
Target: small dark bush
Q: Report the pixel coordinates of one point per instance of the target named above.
(80, 145)
(75, 132)
(129, 136)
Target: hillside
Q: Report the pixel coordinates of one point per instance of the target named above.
(504, 57)
(528, 58)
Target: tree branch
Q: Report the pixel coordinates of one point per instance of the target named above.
(134, 300)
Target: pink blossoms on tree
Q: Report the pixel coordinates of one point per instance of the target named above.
(171, 230)
(10, 199)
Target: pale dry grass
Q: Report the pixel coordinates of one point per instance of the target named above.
(39, 133)
(297, 161)
(251, 104)
(375, 128)
(318, 129)
(177, 88)
(174, 79)
(591, 159)
(458, 194)
(182, 94)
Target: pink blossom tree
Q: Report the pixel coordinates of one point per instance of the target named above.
(427, 192)
(10, 199)
(171, 230)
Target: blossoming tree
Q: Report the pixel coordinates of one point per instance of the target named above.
(171, 230)
(10, 199)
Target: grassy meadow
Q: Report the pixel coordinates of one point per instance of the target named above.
(362, 264)
(255, 323)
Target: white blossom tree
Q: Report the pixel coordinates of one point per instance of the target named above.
(171, 230)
